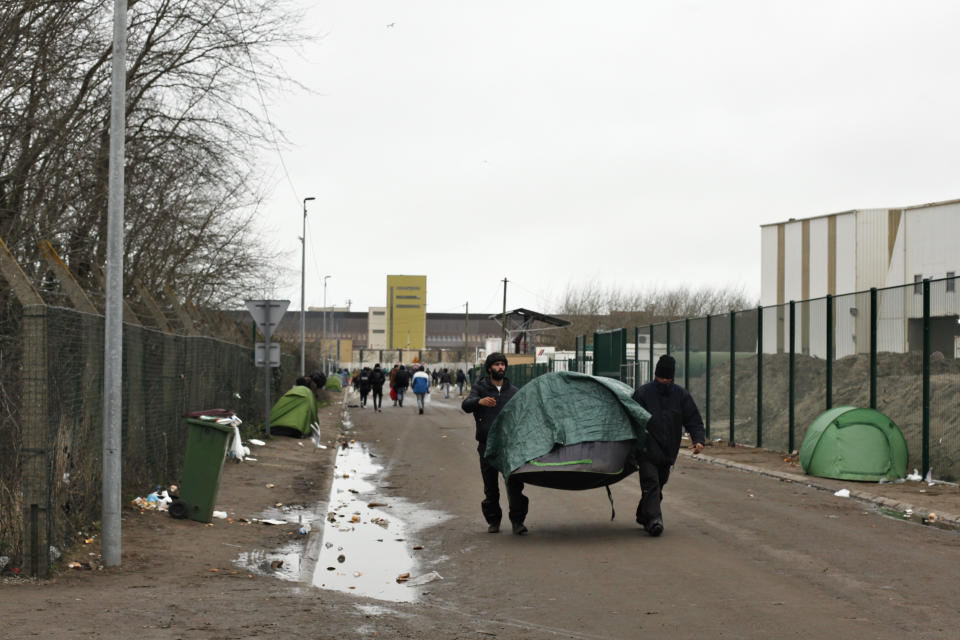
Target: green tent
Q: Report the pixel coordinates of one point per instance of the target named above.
(849, 443)
(568, 430)
(294, 412)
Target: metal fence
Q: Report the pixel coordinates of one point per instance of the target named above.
(761, 376)
(51, 399)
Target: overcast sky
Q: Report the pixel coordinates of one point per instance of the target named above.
(631, 143)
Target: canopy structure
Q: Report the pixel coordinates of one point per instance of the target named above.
(294, 412)
(850, 443)
(521, 322)
(567, 430)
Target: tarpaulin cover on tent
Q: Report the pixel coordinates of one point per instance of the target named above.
(294, 412)
(566, 423)
(848, 443)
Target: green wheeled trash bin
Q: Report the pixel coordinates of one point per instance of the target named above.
(206, 448)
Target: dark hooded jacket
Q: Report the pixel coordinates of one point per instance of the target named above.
(484, 416)
(364, 380)
(671, 411)
(402, 379)
(377, 378)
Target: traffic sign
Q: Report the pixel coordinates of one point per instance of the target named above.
(274, 354)
(267, 314)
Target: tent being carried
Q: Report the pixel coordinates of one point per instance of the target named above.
(848, 443)
(567, 430)
(294, 412)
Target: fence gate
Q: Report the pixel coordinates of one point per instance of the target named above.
(609, 352)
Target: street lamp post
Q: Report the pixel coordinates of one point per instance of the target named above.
(323, 342)
(303, 270)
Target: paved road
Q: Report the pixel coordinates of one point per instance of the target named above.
(742, 556)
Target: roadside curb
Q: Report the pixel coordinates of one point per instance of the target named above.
(944, 520)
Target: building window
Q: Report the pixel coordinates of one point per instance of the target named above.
(379, 330)
(951, 282)
(918, 284)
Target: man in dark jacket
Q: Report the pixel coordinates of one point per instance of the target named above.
(400, 382)
(377, 378)
(363, 385)
(487, 397)
(672, 410)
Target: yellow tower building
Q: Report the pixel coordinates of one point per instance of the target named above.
(406, 312)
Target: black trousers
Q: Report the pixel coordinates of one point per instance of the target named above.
(377, 397)
(363, 397)
(652, 478)
(518, 503)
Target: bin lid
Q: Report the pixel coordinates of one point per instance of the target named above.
(211, 424)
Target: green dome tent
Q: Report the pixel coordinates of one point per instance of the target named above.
(848, 443)
(294, 412)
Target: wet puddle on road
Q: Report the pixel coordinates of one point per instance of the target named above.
(359, 542)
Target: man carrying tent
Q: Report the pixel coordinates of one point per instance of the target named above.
(672, 410)
(487, 397)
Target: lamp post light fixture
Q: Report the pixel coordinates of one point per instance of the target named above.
(303, 270)
(323, 341)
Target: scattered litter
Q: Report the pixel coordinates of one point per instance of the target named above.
(417, 547)
(273, 521)
(915, 476)
(250, 459)
(54, 553)
(237, 451)
(424, 579)
(304, 529)
(381, 522)
(4, 561)
(403, 577)
(374, 505)
(79, 565)
(341, 558)
(930, 519)
(220, 514)
(300, 444)
(276, 564)
(842, 493)
(929, 478)
(270, 485)
(259, 443)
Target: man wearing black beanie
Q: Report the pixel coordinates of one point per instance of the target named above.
(672, 410)
(487, 397)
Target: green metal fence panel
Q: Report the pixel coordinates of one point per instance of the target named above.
(697, 349)
(720, 377)
(945, 379)
(899, 358)
(609, 353)
(659, 347)
(745, 377)
(775, 377)
(677, 348)
(810, 365)
(851, 365)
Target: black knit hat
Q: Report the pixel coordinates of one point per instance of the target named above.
(666, 366)
(494, 357)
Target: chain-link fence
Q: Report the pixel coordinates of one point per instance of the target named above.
(51, 399)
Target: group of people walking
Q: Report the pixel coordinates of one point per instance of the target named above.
(671, 408)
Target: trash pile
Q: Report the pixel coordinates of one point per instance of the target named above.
(157, 500)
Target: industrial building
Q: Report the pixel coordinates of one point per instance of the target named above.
(855, 251)
(406, 317)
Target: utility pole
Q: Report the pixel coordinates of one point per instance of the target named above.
(113, 312)
(503, 341)
(466, 334)
(303, 279)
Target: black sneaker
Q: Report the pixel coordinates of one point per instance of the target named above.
(519, 529)
(655, 527)
(493, 527)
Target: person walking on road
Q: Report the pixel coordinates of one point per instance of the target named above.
(672, 410)
(487, 397)
(377, 378)
(364, 384)
(461, 380)
(393, 380)
(420, 386)
(400, 382)
(445, 382)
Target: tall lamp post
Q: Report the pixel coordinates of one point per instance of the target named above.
(323, 342)
(303, 270)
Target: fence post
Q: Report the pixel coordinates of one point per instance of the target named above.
(650, 370)
(793, 353)
(668, 337)
(829, 351)
(686, 353)
(733, 368)
(873, 347)
(759, 377)
(925, 459)
(636, 357)
(707, 379)
(36, 465)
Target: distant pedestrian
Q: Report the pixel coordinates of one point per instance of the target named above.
(377, 378)
(445, 382)
(420, 386)
(364, 383)
(400, 383)
(461, 380)
(393, 380)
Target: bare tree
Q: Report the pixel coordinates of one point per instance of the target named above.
(594, 307)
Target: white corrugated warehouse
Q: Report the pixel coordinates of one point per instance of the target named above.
(851, 251)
